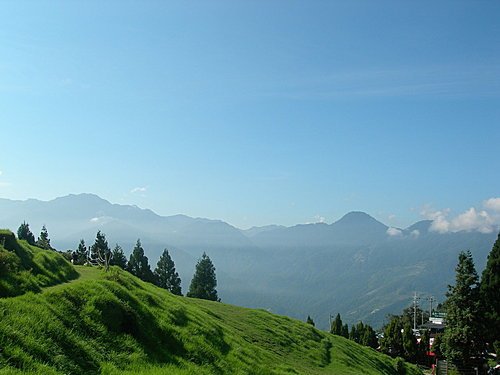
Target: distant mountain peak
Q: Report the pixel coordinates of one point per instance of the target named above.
(86, 197)
(356, 217)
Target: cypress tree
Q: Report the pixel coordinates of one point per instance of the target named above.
(43, 240)
(100, 252)
(204, 281)
(24, 233)
(369, 337)
(81, 254)
(138, 264)
(310, 321)
(345, 331)
(336, 327)
(490, 296)
(392, 342)
(118, 258)
(165, 274)
(353, 335)
(409, 342)
(462, 314)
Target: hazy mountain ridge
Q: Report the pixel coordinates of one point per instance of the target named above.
(352, 266)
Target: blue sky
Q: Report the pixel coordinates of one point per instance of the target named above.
(255, 112)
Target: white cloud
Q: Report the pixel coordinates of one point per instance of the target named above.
(391, 217)
(415, 233)
(490, 204)
(138, 190)
(1, 173)
(319, 219)
(471, 220)
(94, 220)
(393, 232)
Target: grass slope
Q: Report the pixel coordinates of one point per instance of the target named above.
(116, 324)
(28, 268)
(113, 323)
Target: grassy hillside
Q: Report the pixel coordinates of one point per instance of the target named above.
(113, 323)
(28, 268)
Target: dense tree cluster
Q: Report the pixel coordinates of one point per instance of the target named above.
(361, 333)
(164, 275)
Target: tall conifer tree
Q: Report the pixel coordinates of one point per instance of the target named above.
(118, 258)
(165, 274)
(490, 296)
(462, 335)
(138, 264)
(43, 240)
(80, 255)
(100, 252)
(24, 233)
(204, 280)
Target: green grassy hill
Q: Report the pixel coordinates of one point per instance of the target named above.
(113, 323)
(28, 268)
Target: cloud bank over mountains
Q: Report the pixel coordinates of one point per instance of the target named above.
(483, 220)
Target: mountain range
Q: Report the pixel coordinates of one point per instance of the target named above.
(356, 266)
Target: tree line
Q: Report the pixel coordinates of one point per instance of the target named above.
(203, 284)
(361, 333)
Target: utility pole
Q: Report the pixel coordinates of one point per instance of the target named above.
(415, 303)
(430, 299)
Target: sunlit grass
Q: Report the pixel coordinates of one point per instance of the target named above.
(113, 323)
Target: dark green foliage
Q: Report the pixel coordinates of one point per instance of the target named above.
(345, 331)
(420, 315)
(100, 253)
(392, 342)
(204, 280)
(409, 343)
(118, 258)
(399, 340)
(81, 254)
(24, 233)
(423, 348)
(437, 345)
(361, 333)
(399, 365)
(138, 264)
(369, 337)
(353, 335)
(28, 268)
(165, 275)
(43, 240)
(337, 326)
(490, 295)
(310, 320)
(461, 337)
(326, 356)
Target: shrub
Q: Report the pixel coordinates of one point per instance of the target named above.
(399, 365)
